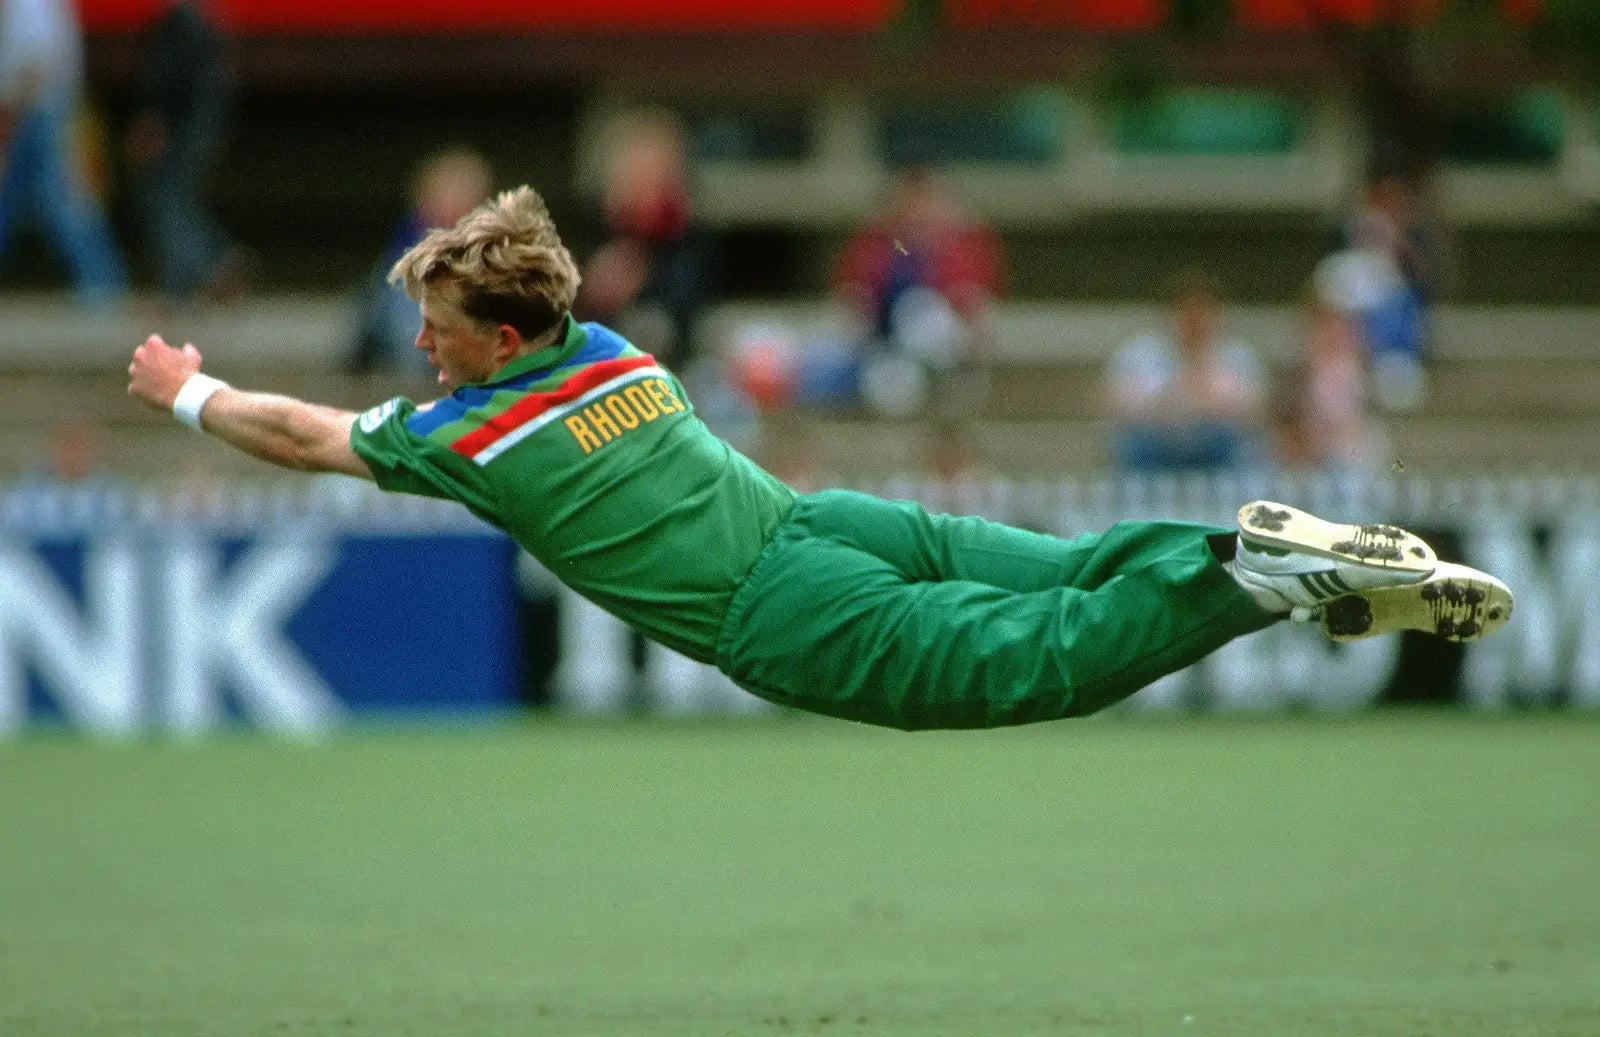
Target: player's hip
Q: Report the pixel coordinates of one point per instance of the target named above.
(825, 624)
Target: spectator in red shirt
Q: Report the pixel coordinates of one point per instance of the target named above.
(918, 280)
(650, 277)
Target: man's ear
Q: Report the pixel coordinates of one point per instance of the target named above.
(508, 343)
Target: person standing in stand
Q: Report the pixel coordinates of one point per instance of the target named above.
(42, 175)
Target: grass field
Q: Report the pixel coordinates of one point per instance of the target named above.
(1383, 874)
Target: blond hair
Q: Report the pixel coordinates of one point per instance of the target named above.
(502, 263)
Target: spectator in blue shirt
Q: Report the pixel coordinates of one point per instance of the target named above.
(42, 176)
(447, 186)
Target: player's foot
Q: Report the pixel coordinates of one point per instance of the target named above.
(1264, 525)
(1456, 602)
(1292, 561)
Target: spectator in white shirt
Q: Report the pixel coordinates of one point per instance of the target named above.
(1186, 398)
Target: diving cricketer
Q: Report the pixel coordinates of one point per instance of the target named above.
(589, 454)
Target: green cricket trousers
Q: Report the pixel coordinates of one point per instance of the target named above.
(877, 611)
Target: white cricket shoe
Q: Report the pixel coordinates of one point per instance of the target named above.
(1456, 602)
(1290, 557)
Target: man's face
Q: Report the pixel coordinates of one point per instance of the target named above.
(462, 349)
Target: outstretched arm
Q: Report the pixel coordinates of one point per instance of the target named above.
(285, 431)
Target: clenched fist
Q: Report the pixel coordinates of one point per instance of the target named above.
(158, 371)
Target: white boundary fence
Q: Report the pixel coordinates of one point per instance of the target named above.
(288, 572)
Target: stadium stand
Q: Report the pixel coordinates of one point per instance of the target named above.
(1512, 387)
(1239, 158)
(1039, 154)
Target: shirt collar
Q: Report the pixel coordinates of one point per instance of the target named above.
(564, 348)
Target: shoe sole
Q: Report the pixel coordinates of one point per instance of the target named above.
(1456, 603)
(1372, 546)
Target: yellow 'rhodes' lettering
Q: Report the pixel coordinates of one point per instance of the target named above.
(638, 404)
(621, 411)
(662, 394)
(641, 402)
(601, 420)
(583, 434)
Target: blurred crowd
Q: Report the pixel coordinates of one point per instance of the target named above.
(1192, 398)
(55, 162)
(913, 285)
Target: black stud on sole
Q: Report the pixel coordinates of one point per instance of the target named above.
(1456, 603)
(1278, 527)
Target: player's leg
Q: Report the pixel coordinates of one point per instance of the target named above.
(930, 547)
(71, 212)
(1359, 580)
(825, 625)
(19, 173)
(188, 245)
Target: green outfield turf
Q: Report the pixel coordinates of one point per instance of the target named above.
(1382, 874)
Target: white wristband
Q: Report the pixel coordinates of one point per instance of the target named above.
(193, 396)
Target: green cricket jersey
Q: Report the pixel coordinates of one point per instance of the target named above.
(591, 457)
